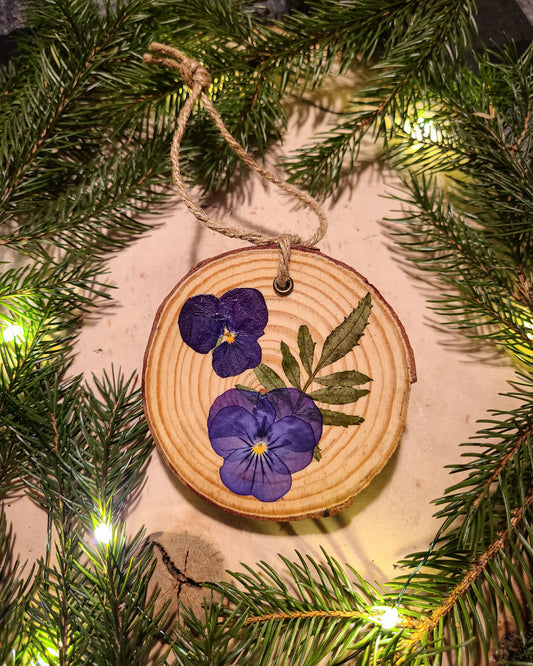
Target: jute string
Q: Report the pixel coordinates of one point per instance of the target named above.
(197, 78)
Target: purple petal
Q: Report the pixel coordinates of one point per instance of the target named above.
(233, 398)
(264, 414)
(233, 428)
(232, 358)
(246, 308)
(199, 323)
(245, 473)
(292, 441)
(285, 420)
(292, 402)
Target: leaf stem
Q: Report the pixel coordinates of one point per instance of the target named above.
(310, 379)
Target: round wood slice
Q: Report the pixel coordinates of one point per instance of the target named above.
(179, 385)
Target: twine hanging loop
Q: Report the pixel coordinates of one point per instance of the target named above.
(194, 73)
(197, 78)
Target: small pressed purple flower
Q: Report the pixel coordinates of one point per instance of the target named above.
(229, 325)
(263, 438)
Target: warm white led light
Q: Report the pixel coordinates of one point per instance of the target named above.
(12, 332)
(390, 618)
(424, 128)
(103, 533)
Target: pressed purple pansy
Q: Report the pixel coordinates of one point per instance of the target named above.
(229, 325)
(263, 438)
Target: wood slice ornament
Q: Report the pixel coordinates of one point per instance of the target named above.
(180, 386)
(273, 401)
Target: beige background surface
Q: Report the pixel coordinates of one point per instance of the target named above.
(393, 516)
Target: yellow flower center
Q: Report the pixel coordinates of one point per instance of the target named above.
(259, 448)
(228, 336)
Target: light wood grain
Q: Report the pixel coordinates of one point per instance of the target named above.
(179, 385)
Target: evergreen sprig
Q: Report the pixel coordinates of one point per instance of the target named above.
(474, 229)
(423, 40)
(14, 592)
(122, 622)
(329, 615)
(86, 454)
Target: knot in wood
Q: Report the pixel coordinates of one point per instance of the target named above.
(194, 74)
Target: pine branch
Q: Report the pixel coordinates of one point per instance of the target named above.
(42, 304)
(261, 65)
(502, 451)
(477, 122)
(12, 465)
(54, 87)
(124, 627)
(398, 83)
(489, 273)
(116, 445)
(67, 430)
(430, 626)
(87, 453)
(65, 195)
(53, 625)
(14, 591)
(104, 202)
(273, 625)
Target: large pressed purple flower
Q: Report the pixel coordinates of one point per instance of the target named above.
(229, 325)
(263, 438)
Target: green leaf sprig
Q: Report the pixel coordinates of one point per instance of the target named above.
(338, 388)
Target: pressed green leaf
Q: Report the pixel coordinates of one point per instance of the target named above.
(268, 378)
(345, 378)
(317, 453)
(290, 366)
(306, 345)
(331, 417)
(347, 334)
(338, 395)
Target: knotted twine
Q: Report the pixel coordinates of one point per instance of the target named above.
(197, 78)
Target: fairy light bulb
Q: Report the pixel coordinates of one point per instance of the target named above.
(103, 533)
(389, 619)
(12, 332)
